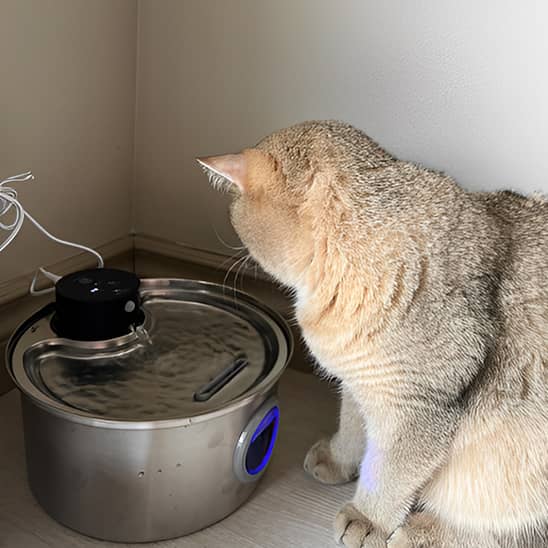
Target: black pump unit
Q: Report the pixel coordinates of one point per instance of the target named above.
(97, 304)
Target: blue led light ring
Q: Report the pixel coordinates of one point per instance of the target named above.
(271, 418)
(251, 457)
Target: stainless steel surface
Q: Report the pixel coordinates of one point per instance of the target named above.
(220, 380)
(191, 332)
(134, 485)
(188, 345)
(173, 471)
(286, 510)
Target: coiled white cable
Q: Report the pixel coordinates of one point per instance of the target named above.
(9, 201)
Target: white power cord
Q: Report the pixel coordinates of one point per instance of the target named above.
(9, 201)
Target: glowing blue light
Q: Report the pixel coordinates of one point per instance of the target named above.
(370, 469)
(271, 418)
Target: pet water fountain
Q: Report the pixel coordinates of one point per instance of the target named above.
(149, 405)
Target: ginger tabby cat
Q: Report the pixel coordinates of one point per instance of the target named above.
(430, 305)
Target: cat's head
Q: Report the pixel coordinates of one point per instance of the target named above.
(289, 191)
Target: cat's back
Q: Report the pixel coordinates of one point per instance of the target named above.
(515, 267)
(520, 225)
(520, 297)
(522, 216)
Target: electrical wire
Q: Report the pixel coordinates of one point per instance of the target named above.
(8, 202)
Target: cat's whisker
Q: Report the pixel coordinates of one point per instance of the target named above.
(228, 272)
(231, 267)
(239, 271)
(226, 244)
(232, 259)
(245, 269)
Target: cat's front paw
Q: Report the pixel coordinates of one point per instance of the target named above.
(354, 530)
(398, 539)
(321, 465)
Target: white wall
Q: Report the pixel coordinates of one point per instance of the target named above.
(67, 100)
(458, 86)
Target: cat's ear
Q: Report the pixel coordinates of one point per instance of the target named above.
(226, 170)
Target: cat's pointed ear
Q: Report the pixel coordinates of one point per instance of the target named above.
(226, 169)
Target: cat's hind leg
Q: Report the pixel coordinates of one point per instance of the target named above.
(423, 530)
(337, 460)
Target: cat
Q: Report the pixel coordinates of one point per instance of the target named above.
(430, 305)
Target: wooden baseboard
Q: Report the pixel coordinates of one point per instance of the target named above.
(16, 288)
(183, 252)
(19, 287)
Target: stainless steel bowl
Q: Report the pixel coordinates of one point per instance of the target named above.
(162, 431)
